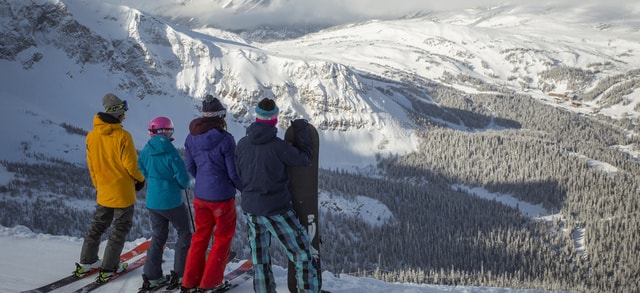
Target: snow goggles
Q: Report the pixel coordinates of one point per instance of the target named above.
(168, 132)
(114, 108)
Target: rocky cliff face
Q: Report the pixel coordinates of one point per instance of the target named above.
(376, 78)
(152, 58)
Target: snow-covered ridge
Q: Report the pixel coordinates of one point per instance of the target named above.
(148, 61)
(359, 83)
(18, 242)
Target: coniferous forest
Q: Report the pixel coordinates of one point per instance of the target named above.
(441, 234)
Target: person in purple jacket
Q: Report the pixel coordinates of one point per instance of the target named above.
(209, 158)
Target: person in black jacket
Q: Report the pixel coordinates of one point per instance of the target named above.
(261, 161)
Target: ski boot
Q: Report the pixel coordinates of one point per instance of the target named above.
(152, 285)
(105, 276)
(174, 281)
(83, 269)
(220, 288)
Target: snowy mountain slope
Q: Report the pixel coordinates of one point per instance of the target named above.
(19, 241)
(343, 79)
(151, 63)
(503, 46)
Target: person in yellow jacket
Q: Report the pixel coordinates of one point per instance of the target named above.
(113, 165)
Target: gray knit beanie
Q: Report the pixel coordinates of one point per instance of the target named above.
(113, 105)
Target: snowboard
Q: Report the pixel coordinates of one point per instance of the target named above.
(303, 184)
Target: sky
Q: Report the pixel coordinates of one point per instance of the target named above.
(335, 12)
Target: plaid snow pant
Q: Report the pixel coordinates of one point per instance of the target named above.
(290, 233)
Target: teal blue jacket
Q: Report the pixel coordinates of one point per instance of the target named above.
(165, 173)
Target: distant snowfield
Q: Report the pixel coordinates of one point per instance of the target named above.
(632, 150)
(531, 210)
(534, 211)
(599, 165)
(31, 260)
(365, 208)
(376, 213)
(5, 175)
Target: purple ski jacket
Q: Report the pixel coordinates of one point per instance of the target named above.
(209, 158)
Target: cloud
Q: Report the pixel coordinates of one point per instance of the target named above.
(334, 12)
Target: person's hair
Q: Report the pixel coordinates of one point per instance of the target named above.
(218, 122)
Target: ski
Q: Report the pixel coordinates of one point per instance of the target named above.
(239, 280)
(95, 285)
(246, 267)
(139, 249)
(235, 278)
(246, 274)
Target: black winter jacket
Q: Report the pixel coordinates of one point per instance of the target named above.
(261, 160)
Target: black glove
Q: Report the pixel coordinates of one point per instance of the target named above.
(299, 124)
(302, 138)
(139, 185)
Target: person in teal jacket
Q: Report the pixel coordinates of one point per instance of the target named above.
(167, 177)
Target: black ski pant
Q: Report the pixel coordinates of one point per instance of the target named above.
(103, 217)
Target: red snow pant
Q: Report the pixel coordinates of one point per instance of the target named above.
(217, 218)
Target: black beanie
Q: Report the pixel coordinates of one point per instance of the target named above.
(211, 107)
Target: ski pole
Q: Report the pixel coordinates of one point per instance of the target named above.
(186, 195)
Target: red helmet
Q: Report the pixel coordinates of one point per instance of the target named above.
(161, 125)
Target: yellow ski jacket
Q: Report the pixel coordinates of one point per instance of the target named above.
(113, 163)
